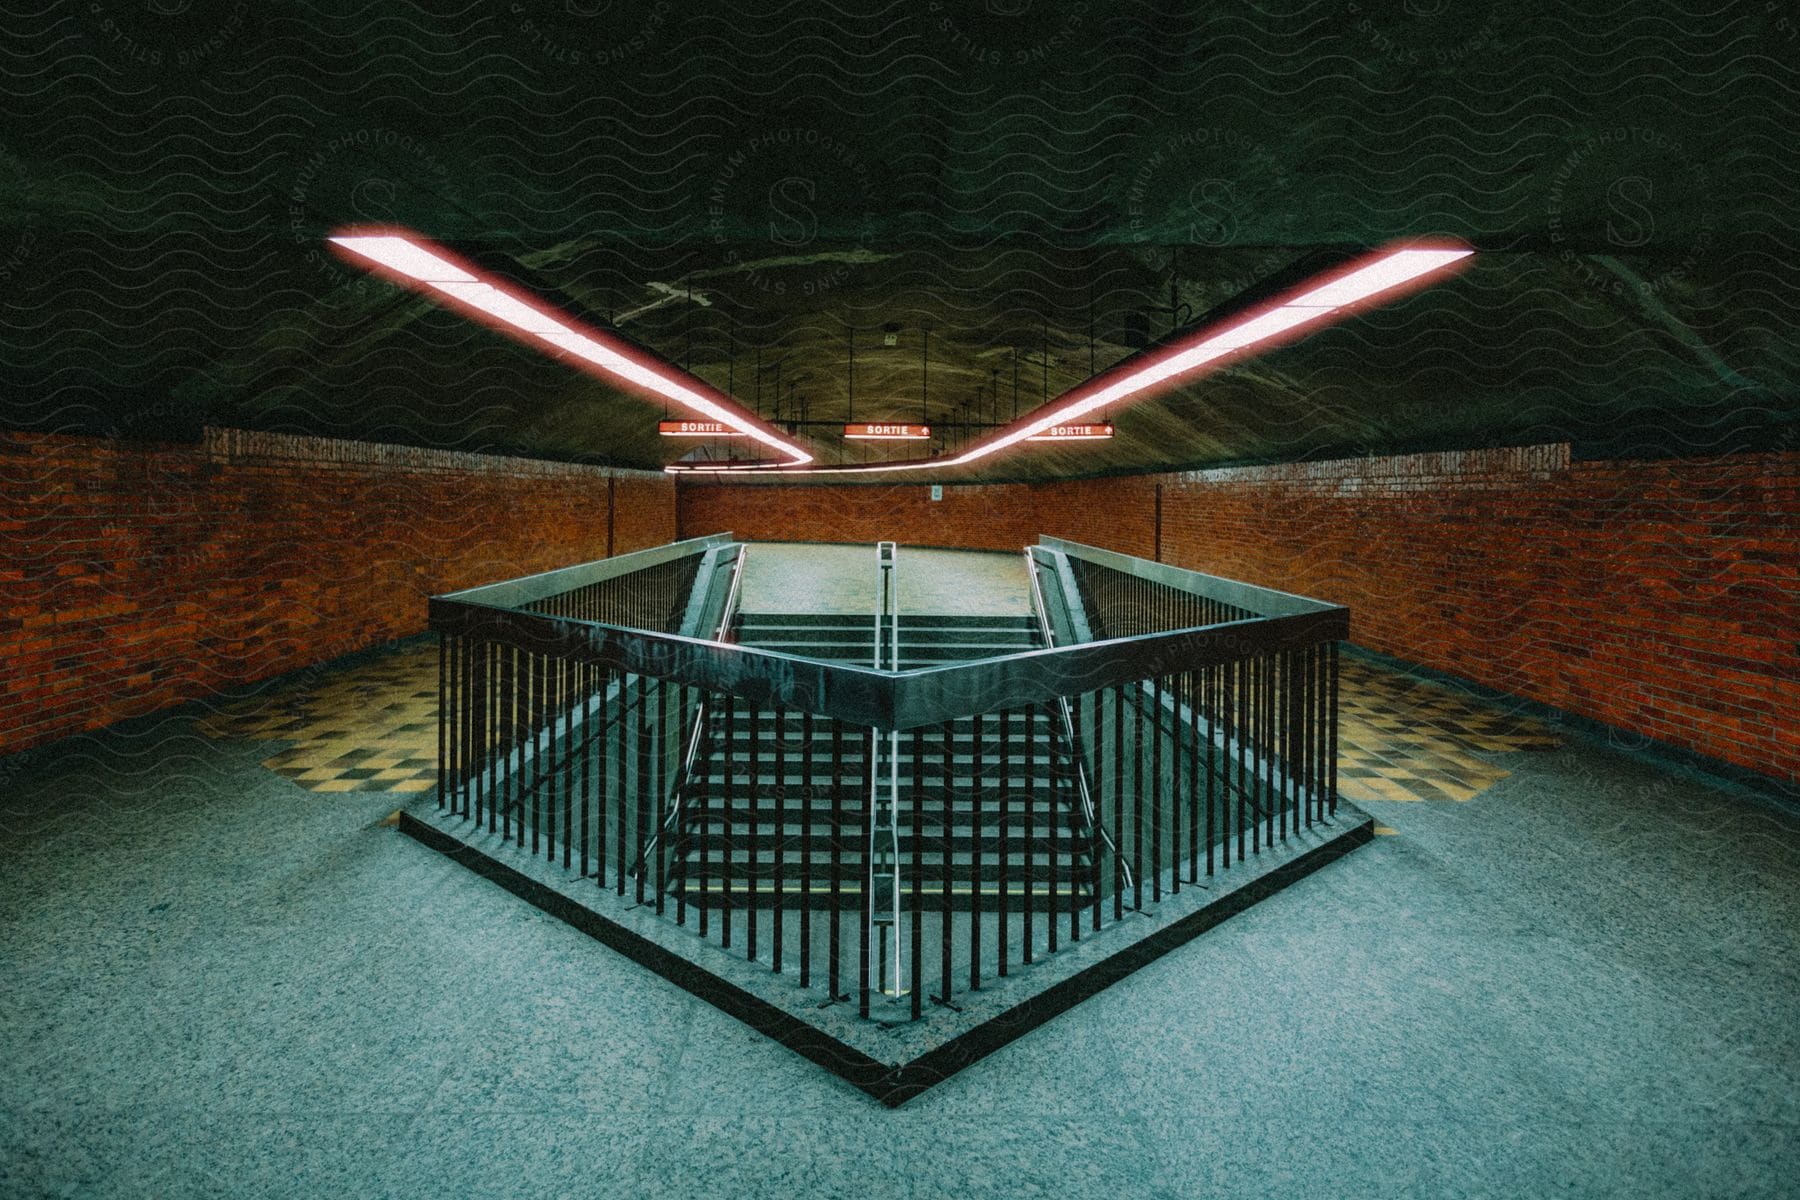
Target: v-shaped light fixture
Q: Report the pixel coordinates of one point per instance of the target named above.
(411, 260)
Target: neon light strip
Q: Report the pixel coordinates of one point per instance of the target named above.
(409, 259)
(1381, 276)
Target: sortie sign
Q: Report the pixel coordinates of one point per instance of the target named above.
(887, 433)
(696, 429)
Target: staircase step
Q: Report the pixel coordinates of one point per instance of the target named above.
(1060, 840)
(849, 897)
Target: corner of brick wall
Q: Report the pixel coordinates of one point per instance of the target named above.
(138, 576)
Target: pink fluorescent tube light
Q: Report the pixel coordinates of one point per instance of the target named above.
(1324, 300)
(412, 261)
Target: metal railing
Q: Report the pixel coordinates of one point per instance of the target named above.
(1090, 817)
(743, 787)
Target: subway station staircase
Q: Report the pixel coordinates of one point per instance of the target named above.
(759, 811)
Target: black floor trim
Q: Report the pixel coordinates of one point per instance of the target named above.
(893, 1084)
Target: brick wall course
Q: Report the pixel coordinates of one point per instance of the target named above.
(136, 576)
(1659, 597)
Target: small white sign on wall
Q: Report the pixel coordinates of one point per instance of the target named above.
(937, 491)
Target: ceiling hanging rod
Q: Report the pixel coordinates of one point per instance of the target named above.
(925, 379)
(1314, 302)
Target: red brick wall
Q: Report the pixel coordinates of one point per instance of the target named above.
(1115, 513)
(139, 576)
(1657, 597)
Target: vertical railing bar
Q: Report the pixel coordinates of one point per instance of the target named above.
(622, 792)
(584, 674)
(1068, 821)
(660, 743)
(806, 846)
(1284, 699)
(540, 772)
(977, 842)
(1137, 798)
(1241, 715)
(1319, 701)
(450, 716)
(1272, 756)
(1027, 909)
(1118, 781)
(1254, 747)
(1227, 756)
(1003, 866)
(1181, 700)
(1156, 789)
(948, 784)
(779, 910)
(835, 976)
(753, 811)
(641, 793)
(462, 731)
(1094, 726)
(1212, 758)
(569, 692)
(542, 776)
(518, 685)
(1318, 733)
(1053, 805)
(917, 978)
(704, 822)
(1195, 683)
(728, 820)
(865, 836)
(482, 732)
(1331, 725)
(507, 691)
(1277, 815)
(602, 729)
(474, 700)
(443, 701)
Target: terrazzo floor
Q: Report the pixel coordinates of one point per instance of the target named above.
(1582, 980)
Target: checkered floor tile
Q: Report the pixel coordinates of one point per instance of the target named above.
(1400, 738)
(373, 728)
(368, 728)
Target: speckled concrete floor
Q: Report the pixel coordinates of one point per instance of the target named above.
(1584, 981)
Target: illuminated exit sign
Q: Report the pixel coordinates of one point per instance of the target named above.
(1073, 433)
(888, 433)
(696, 429)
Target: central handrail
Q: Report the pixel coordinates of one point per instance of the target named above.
(1068, 718)
(884, 861)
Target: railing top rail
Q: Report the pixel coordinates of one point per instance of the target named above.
(887, 699)
(528, 589)
(1263, 601)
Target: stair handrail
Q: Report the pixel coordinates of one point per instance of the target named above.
(1088, 812)
(678, 795)
(887, 629)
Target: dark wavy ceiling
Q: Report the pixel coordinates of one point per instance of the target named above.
(747, 183)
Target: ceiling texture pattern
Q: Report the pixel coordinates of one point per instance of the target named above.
(1014, 193)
